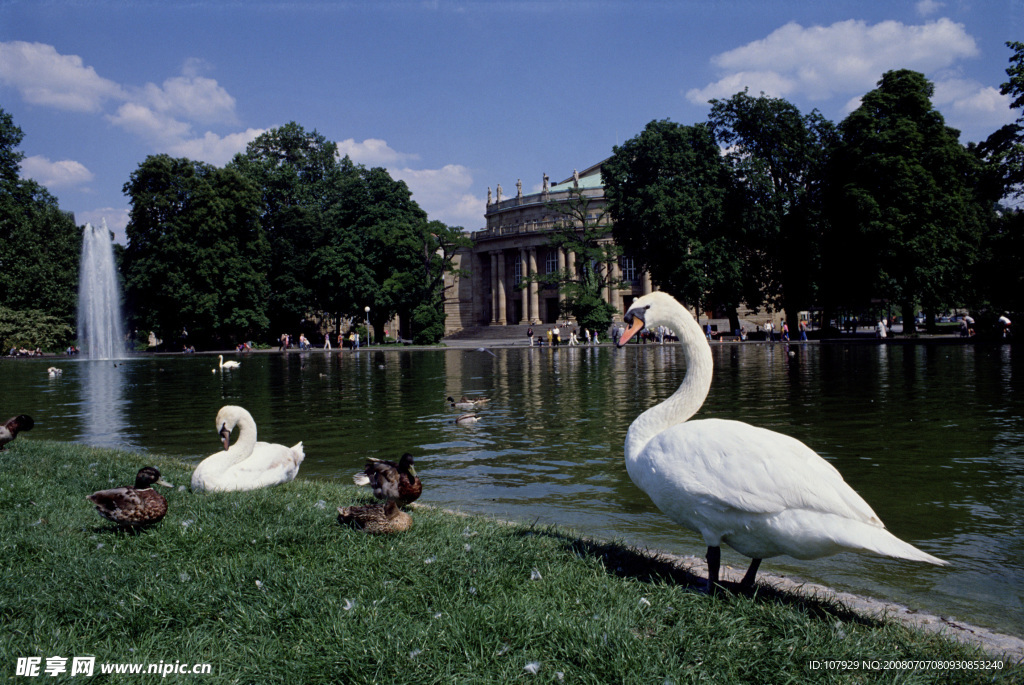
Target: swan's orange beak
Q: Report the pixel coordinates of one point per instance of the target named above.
(636, 324)
(225, 436)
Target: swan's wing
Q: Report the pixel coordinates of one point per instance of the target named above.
(269, 464)
(730, 465)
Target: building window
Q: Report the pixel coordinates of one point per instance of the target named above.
(517, 271)
(628, 268)
(551, 263)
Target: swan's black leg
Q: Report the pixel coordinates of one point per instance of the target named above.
(714, 563)
(748, 580)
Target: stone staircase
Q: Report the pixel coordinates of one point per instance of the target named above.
(514, 331)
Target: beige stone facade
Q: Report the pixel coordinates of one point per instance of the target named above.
(515, 244)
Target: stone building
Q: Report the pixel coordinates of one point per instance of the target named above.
(515, 244)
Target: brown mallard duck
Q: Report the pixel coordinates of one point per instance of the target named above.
(133, 507)
(10, 429)
(391, 481)
(377, 519)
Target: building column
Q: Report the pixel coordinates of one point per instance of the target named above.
(645, 279)
(532, 288)
(502, 320)
(615, 273)
(494, 287)
(572, 263)
(608, 283)
(523, 291)
(561, 270)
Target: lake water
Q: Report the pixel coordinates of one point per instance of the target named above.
(932, 436)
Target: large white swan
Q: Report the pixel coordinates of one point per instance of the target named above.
(227, 364)
(763, 493)
(247, 464)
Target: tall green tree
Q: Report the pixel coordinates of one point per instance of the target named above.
(779, 155)
(40, 245)
(1004, 149)
(585, 233)
(673, 199)
(379, 251)
(999, 277)
(295, 172)
(196, 258)
(904, 202)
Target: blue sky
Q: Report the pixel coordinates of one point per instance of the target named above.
(454, 97)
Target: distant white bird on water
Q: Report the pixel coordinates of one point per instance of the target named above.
(227, 364)
(763, 493)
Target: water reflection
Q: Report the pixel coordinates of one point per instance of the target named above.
(103, 406)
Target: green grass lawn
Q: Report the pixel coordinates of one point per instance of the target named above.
(266, 587)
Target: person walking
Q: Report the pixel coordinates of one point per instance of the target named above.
(529, 334)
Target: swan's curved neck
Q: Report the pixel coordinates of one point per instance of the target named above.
(243, 446)
(690, 395)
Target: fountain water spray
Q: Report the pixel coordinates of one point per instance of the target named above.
(100, 326)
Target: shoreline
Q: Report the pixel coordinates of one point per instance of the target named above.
(501, 343)
(692, 571)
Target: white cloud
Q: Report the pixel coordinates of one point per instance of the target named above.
(149, 124)
(215, 149)
(45, 77)
(927, 8)
(969, 105)
(373, 152)
(65, 173)
(192, 97)
(444, 194)
(847, 57)
(768, 82)
(162, 115)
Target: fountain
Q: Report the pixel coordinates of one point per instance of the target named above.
(100, 326)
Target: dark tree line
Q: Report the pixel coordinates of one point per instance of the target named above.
(285, 238)
(39, 252)
(765, 205)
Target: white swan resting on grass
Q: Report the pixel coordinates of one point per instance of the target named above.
(231, 364)
(763, 493)
(247, 464)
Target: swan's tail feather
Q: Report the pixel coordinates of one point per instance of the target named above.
(299, 452)
(881, 541)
